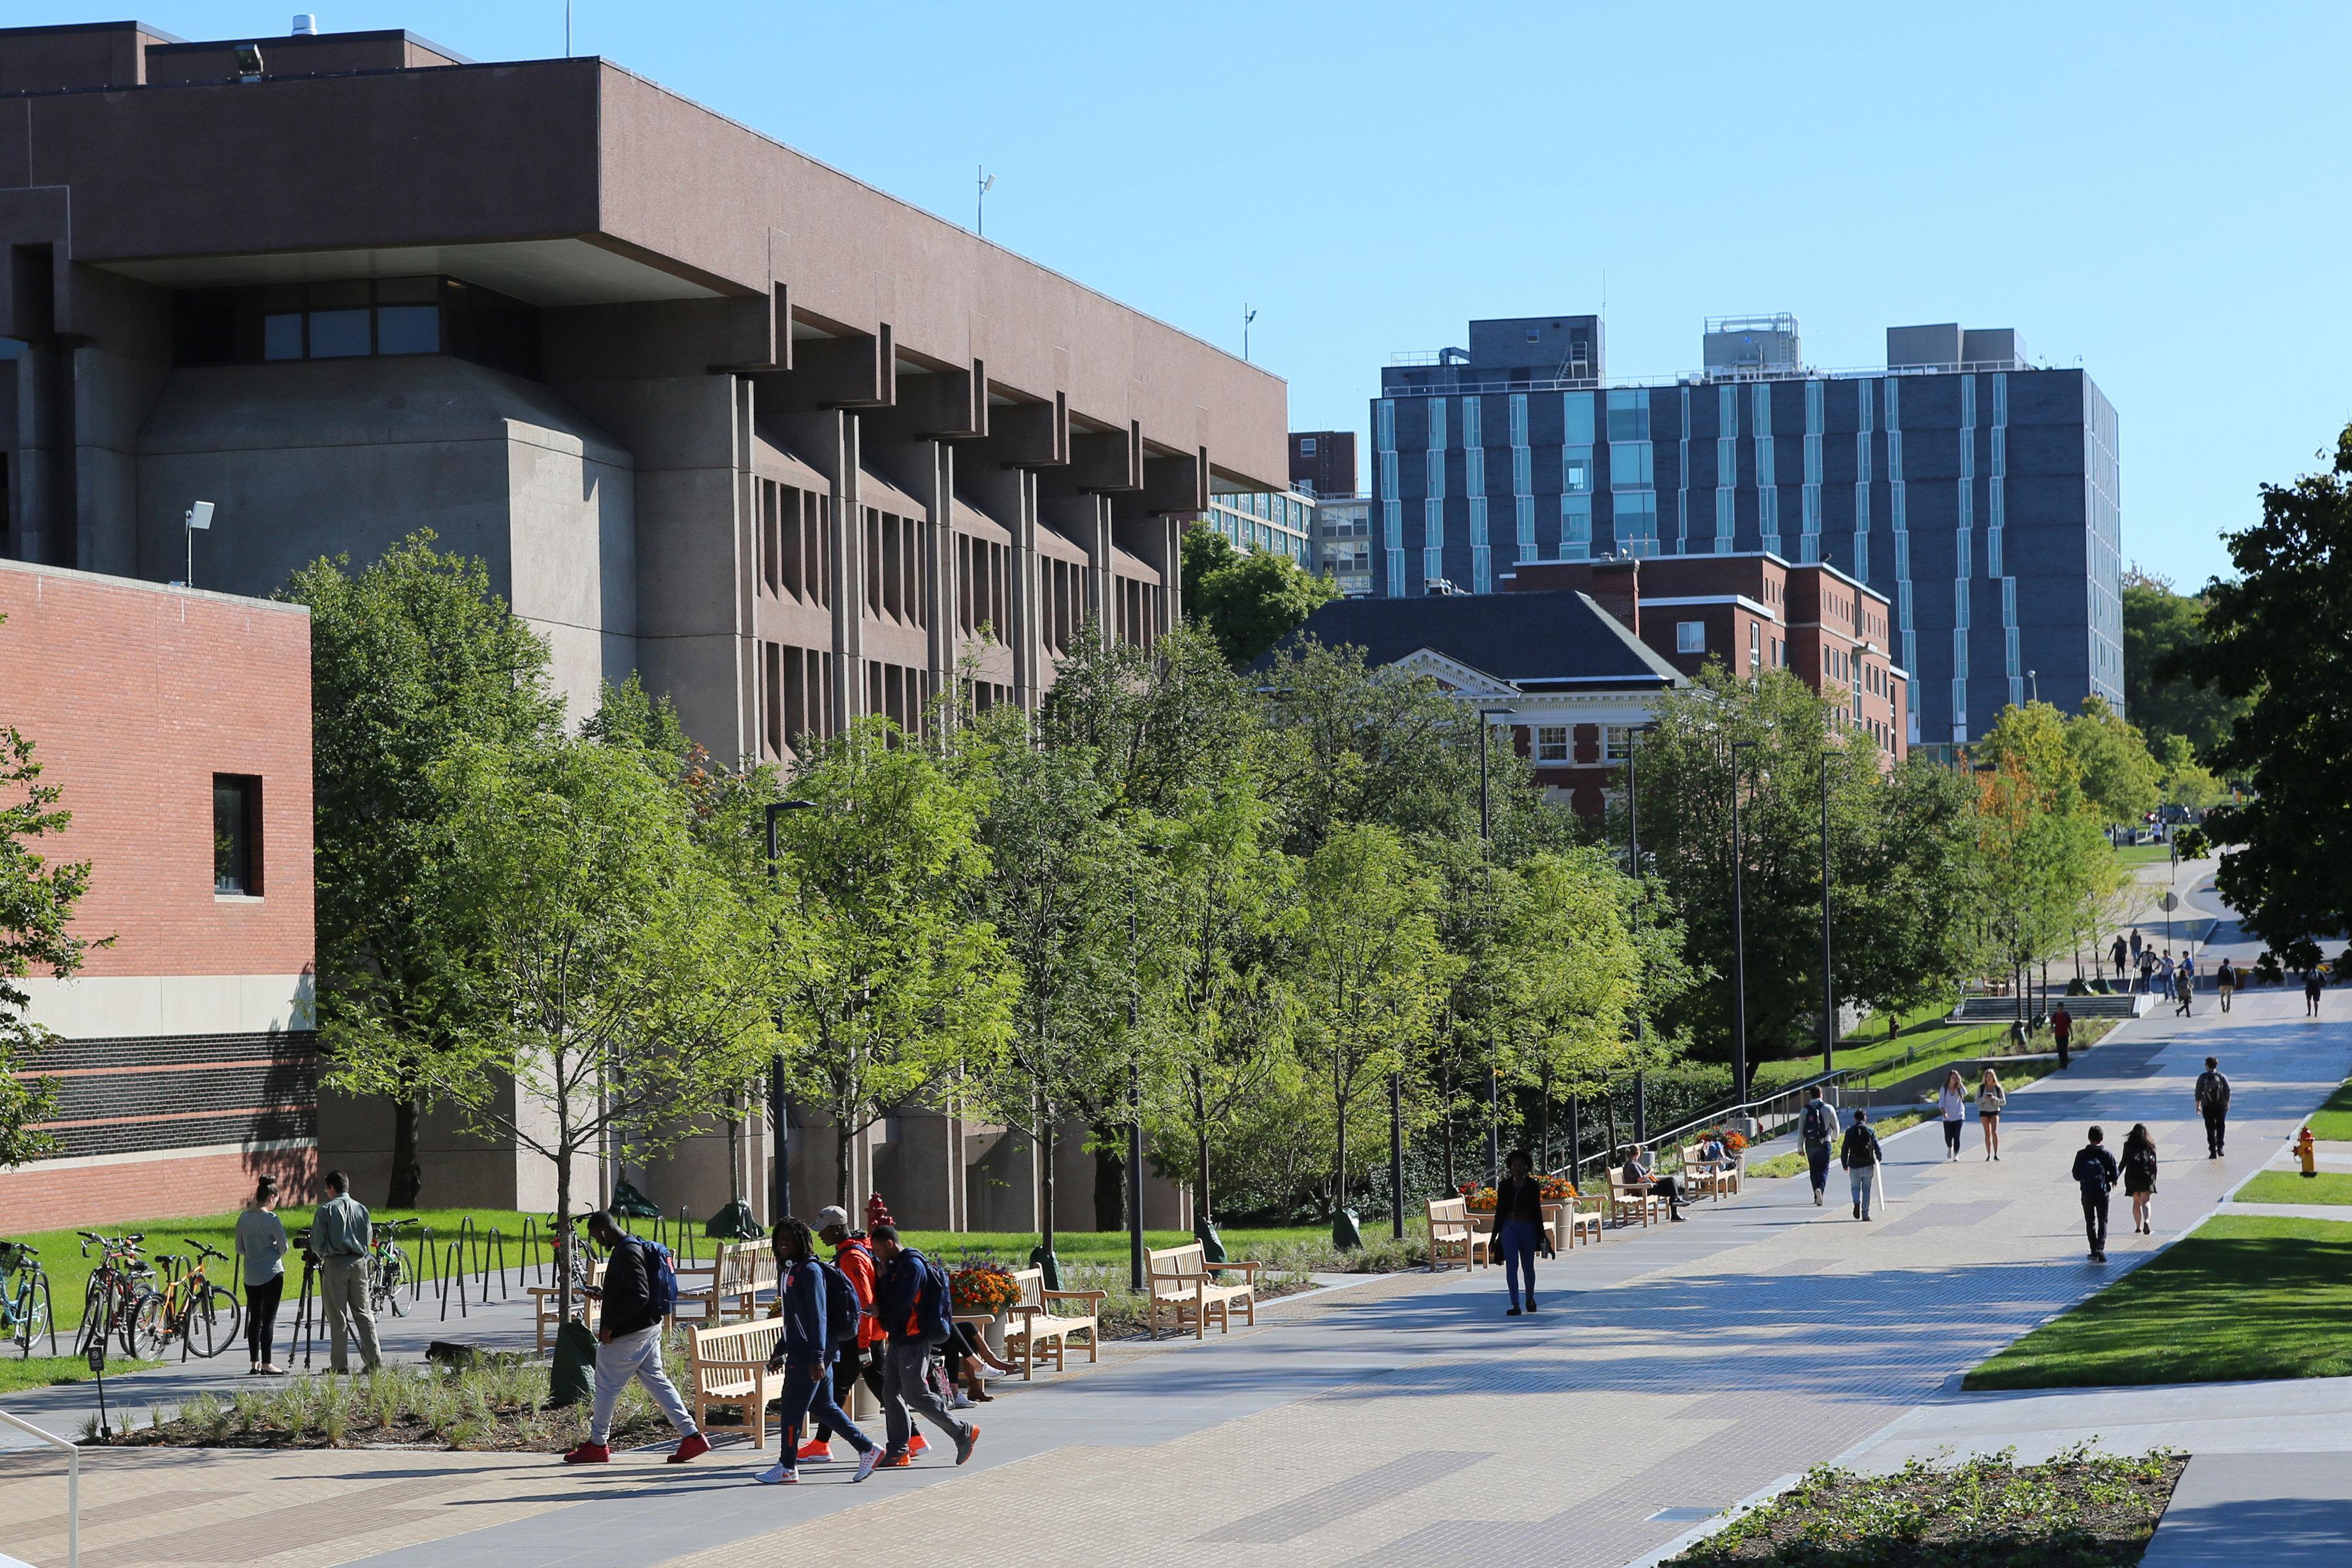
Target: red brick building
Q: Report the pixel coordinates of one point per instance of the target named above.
(1752, 612)
(178, 726)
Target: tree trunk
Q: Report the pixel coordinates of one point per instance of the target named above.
(1046, 1185)
(1340, 1172)
(407, 1174)
(1609, 1104)
(1110, 1181)
(841, 1136)
(1546, 1134)
(1202, 1215)
(564, 1238)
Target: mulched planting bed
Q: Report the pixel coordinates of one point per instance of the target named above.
(2081, 1510)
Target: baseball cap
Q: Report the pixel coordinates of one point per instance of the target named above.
(830, 1215)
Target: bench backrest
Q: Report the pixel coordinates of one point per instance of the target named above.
(753, 1341)
(1032, 1288)
(1448, 1212)
(1164, 1265)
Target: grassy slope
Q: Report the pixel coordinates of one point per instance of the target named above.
(2242, 1297)
(2332, 1120)
(42, 1371)
(2295, 1188)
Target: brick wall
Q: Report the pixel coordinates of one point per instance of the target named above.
(48, 1195)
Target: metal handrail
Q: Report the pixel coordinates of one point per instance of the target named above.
(1831, 1083)
(73, 1482)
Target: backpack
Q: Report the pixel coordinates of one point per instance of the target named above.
(661, 1279)
(1819, 1121)
(933, 1291)
(842, 1310)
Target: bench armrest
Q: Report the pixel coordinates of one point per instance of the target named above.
(1250, 1268)
(760, 1365)
(1075, 1295)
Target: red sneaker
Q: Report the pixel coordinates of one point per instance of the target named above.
(694, 1447)
(892, 1462)
(589, 1454)
(814, 1453)
(919, 1443)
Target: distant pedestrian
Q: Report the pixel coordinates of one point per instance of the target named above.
(2146, 970)
(2095, 1172)
(261, 1242)
(2138, 947)
(2315, 980)
(629, 1345)
(912, 1298)
(1859, 1154)
(805, 1349)
(2139, 1175)
(1818, 1127)
(1954, 1103)
(2184, 989)
(1992, 1101)
(2164, 974)
(2062, 1030)
(339, 1238)
(2225, 983)
(2116, 953)
(2214, 1105)
(1518, 1226)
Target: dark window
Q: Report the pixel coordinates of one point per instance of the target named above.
(236, 834)
(355, 318)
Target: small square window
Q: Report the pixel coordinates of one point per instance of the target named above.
(1307, 446)
(281, 336)
(1616, 743)
(408, 329)
(1552, 743)
(339, 334)
(236, 834)
(1690, 637)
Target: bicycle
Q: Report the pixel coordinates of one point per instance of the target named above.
(202, 1316)
(25, 1309)
(110, 1305)
(388, 1268)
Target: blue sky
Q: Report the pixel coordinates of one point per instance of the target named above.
(2151, 190)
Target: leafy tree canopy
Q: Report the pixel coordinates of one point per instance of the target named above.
(1247, 600)
(2162, 631)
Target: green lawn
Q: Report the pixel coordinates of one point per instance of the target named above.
(68, 1270)
(2332, 1123)
(42, 1371)
(2144, 854)
(1938, 1045)
(2239, 1297)
(2295, 1188)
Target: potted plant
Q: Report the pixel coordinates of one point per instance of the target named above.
(989, 1288)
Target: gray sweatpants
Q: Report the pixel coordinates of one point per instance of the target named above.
(637, 1354)
(906, 1392)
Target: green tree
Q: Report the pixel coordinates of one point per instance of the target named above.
(1247, 600)
(612, 969)
(37, 898)
(2279, 639)
(1580, 970)
(2164, 633)
(1908, 905)
(2186, 780)
(412, 660)
(2045, 866)
(2122, 779)
(892, 978)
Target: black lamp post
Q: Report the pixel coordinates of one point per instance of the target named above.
(1633, 869)
(1494, 1079)
(1829, 990)
(780, 1191)
(1738, 939)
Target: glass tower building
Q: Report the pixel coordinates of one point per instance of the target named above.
(1979, 492)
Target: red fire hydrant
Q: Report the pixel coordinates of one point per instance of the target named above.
(2308, 1153)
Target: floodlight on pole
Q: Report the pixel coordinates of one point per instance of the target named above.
(780, 1179)
(986, 181)
(200, 516)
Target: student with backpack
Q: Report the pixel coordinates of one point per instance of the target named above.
(2095, 1172)
(1818, 1127)
(911, 1300)
(639, 1292)
(1859, 1154)
(859, 1359)
(821, 1313)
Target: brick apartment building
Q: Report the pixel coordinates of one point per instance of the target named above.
(710, 411)
(178, 725)
(1752, 612)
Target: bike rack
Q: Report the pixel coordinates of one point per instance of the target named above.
(73, 1482)
(497, 1246)
(528, 1256)
(453, 1271)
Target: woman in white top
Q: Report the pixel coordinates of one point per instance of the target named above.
(261, 1237)
(1991, 1100)
(1954, 1102)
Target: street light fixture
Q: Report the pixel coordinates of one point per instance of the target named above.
(1739, 939)
(1494, 1079)
(780, 1186)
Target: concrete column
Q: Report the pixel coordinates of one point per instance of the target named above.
(1085, 519)
(828, 439)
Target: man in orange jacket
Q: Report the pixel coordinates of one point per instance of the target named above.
(854, 1258)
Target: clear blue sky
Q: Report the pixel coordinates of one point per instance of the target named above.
(2154, 190)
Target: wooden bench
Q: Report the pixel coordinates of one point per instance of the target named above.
(1452, 1235)
(1709, 1176)
(729, 1365)
(546, 1304)
(1185, 1283)
(1577, 1222)
(730, 1285)
(1032, 1325)
(1629, 1201)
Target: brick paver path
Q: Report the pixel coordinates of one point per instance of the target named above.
(1405, 1423)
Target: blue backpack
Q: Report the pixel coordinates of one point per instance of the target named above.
(661, 1278)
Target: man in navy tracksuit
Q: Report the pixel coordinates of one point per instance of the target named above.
(912, 1304)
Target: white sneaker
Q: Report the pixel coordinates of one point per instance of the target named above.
(962, 1401)
(778, 1476)
(866, 1461)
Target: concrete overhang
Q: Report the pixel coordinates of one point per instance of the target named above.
(581, 272)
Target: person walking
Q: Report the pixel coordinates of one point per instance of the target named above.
(2315, 980)
(1991, 1100)
(1518, 1226)
(261, 1242)
(912, 1298)
(1954, 1103)
(2116, 953)
(2184, 988)
(857, 1360)
(2061, 1031)
(341, 1233)
(2225, 983)
(2214, 1105)
(636, 1307)
(1818, 1126)
(2138, 947)
(806, 1351)
(2139, 1175)
(2095, 1172)
(1859, 1154)
(2146, 970)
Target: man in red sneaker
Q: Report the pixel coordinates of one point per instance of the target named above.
(630, 1345)
(911, 1300)
(862, 1361)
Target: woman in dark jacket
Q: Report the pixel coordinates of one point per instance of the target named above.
(1518, 1224)
(2139, 1175)
(804, 1350)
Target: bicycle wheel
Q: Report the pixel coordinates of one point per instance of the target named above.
(31, 1322)
(390, 1280)
(212, 1325)
(93, 1319)
(147, 1328)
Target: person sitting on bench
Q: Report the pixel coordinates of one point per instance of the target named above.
(1642, 1166)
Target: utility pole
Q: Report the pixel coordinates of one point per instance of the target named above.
(984, 180)
(1249, 314)
(1829, 989)
(780, 1198)
(1739, 939)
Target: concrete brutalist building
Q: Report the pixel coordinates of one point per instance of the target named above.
(792, 449)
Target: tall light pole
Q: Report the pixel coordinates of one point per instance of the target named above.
(1739, 939)
(1633, 869)
(780, 1183)
(986, 181)
(1829, 990)
(1485, 834)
